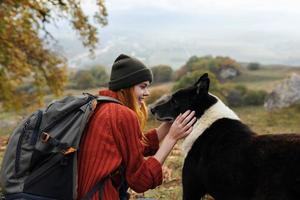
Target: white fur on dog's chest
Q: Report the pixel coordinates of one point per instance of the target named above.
(218, 111)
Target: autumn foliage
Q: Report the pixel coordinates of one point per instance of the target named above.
(25, 54)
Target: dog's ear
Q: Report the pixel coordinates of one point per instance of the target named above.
(202, 84)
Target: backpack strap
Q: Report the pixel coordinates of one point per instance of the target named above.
(122, 189)
(107, 99)
(97, 187)
(64, 148)
(101, 98)
(100, 184)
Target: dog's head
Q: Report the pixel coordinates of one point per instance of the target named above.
(195, 97)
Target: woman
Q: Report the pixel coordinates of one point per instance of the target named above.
(114, 146)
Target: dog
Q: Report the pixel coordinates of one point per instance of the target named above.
(224, 157)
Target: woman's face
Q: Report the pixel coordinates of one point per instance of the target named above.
(141, 91)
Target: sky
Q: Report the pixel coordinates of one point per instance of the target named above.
(171, 31)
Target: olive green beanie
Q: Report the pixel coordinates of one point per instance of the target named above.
(127, 71)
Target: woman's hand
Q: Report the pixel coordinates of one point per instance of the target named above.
(182, 126)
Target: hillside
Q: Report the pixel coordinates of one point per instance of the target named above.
(264, 78)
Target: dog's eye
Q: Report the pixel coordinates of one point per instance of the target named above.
(174, 102)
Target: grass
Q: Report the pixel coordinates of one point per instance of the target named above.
(285, 120)
(264, 78)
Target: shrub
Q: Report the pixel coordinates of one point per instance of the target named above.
(241, 96)
(234, 98)
(253, 66)
(255, 97)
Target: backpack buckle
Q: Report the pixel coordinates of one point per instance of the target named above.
(68, 150)
(45, 137)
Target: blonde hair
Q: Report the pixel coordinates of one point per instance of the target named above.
(128, 98)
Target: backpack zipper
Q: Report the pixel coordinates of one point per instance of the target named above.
(18, 150)
(36, 131)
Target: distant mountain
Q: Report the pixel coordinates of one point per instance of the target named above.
(155, 51)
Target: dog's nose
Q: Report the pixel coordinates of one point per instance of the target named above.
(152, 110)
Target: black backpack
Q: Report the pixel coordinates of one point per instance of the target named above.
(40, 162)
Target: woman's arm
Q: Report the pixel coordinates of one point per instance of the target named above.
(143, 174)
(163, 130)
(152, 143)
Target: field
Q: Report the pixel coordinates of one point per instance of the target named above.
(256, 117)
(264, 78)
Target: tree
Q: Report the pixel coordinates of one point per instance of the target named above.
(190, 78)
(84, 79)
(253, 66)
(162, 73)
(25, 54)
(100, 75)
(218, 65)
(95, 76)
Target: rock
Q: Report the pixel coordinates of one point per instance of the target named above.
(285, 94)
(228, 73)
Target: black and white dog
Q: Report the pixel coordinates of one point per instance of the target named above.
(227, 160)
